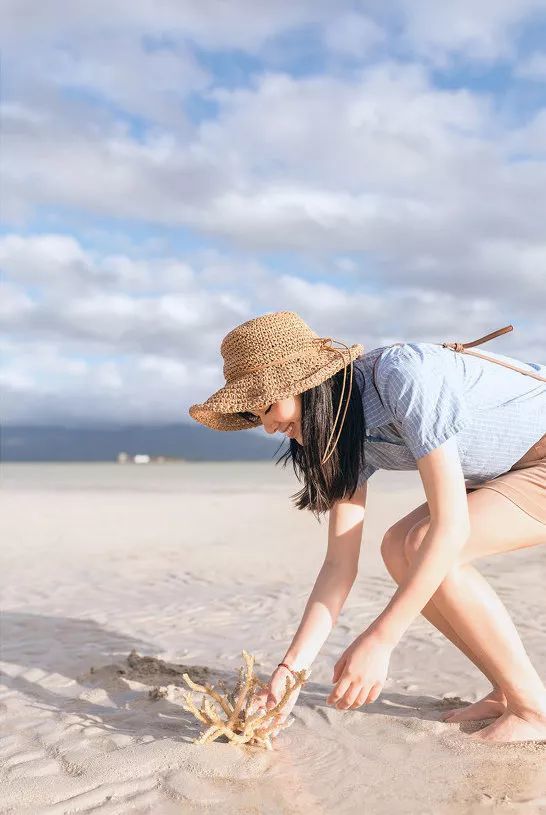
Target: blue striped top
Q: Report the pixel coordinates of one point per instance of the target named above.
(426, 394)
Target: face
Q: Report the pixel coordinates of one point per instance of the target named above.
(283, 416)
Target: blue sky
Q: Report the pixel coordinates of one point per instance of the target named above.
(170, 172)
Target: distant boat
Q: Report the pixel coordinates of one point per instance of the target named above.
(144, 458)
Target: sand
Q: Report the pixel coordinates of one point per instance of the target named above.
(190, 579)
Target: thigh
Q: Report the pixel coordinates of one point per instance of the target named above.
(496, 525)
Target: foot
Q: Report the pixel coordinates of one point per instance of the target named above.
(510, 727)
(490, 707)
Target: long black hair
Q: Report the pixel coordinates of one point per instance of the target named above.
(337, 478)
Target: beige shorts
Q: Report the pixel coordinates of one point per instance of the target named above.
(526, 487)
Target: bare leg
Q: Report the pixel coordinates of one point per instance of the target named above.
(396, 561)
(464, 596)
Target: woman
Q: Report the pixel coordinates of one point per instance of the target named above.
(475, 431)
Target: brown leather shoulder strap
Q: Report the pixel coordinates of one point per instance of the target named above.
(459, 346)
(462, 347)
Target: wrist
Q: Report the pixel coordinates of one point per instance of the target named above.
(287, 666)
(381, 634)
(297, 661)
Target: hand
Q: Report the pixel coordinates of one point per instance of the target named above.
(360, 672)
(269, 697)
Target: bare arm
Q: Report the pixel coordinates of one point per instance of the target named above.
(448, 531)
(334, 581)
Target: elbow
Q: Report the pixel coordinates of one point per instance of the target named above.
(456, 538)
(344, 571)
(449, 537)
(460, 533)
(457, 531)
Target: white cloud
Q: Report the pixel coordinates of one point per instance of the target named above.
(353, 35)
(148, 83)
(54, 260)
(429, 200)
(38, 258)
(214, 24)
(477, 31)
(46, 384)
(114, 304)
(15, 304)
(112, 355)
(381, 161)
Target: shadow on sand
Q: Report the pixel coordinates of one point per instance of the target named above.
(98, 674)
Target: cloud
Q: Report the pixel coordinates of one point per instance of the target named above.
(311, 152)
(353, 35)
(59, 261)
(213, 24)
(150, 83)
(45, 384)
(122, 352)
(477, 32)
(382, 163)
(112, 304)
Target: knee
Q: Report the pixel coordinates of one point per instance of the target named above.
(392, 546)
(414, 538)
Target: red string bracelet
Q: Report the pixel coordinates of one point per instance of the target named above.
(287, 666)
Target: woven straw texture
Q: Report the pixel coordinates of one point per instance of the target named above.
(270, 357)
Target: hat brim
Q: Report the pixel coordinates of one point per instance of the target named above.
(220, 410)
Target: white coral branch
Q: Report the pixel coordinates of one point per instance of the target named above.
(239, 727)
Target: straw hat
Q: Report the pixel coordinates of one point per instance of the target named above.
(269, 358)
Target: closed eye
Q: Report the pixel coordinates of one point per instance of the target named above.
(256, 417)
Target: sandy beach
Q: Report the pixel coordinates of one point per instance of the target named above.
(190, 564)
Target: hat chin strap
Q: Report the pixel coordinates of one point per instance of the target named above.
(326, 457)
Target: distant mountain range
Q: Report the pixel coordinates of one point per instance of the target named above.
(192, 443)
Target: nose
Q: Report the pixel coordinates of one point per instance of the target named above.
(271, 428)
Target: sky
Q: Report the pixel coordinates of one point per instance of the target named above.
(171, 170)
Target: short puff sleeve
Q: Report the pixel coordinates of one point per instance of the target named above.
(423, 391)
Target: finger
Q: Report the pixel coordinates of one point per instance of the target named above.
(360, 699)
(350, 696)
(339, 690)
(273, 695)
(364, 692)
(374, 692)
(338, 669)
